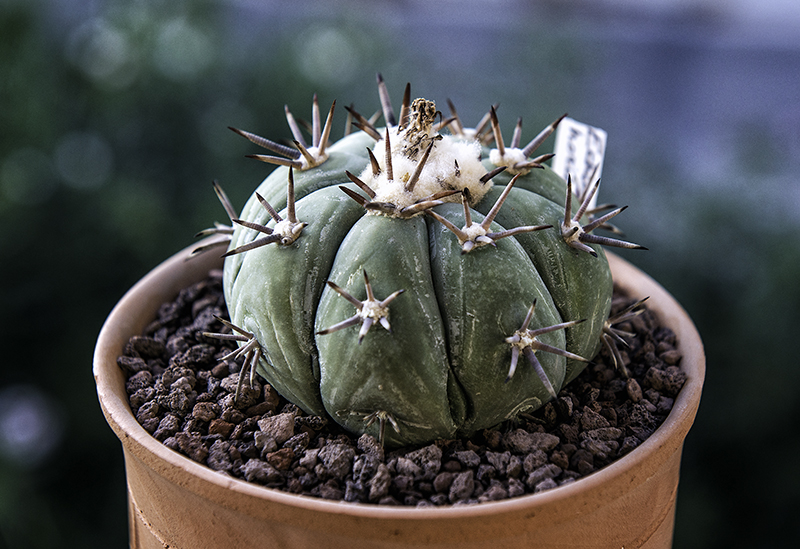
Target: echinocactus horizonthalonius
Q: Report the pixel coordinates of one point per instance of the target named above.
(411, 282)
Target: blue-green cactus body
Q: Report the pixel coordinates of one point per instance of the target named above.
(290, 279)
(406, 372)
(444, 368)
(580, 284)
(466, 286)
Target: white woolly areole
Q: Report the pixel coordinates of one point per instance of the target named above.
(571, 231)
(522, 339)
(511, 158)
(438, 174)
(289, 231)
(316, 160)
(474, 231)
(374, 310)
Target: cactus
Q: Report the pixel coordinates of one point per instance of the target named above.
(392, 279)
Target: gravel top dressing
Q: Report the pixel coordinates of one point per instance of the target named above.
(183, 394)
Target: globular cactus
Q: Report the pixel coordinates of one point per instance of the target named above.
(391, 280)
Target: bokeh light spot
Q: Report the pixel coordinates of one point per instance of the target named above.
(26, 177)
(328, 57)
(30, 427)
(84, 160)
(102, 52)
(182, 51)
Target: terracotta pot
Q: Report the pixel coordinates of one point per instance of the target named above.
(175, 502)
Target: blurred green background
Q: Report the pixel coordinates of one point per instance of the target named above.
(113, 119)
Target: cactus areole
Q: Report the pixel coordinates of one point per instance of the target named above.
(410, 282)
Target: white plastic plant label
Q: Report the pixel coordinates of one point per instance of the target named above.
(579, 152)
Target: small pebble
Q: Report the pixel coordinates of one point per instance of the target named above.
(520, 441)
(256, 470)
(467, 458)
(337, 459)
(280, 427)
(462, 486)
(220, 427)
(281, 459)
(634, 390)
(443, 481)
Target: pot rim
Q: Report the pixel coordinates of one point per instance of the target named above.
(160, 286)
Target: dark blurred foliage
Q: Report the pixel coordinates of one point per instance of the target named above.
(113, 120)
